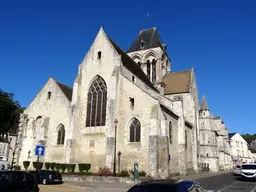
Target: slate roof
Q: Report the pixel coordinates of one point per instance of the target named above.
(150, 37)
(132, 66)
(3, 140)
(177, 82)
(230, 135)
(68, 91)
(204, 105)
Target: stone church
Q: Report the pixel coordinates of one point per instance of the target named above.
(129, 100)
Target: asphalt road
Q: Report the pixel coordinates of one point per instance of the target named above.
(220, 183)
(227, 183)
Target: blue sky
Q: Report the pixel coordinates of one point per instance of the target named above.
(43, 38)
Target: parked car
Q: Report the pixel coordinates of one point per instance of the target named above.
(248, 171)
(237, 170)
(18, 181)
(4, 165)
(47, 176)
(168, 186)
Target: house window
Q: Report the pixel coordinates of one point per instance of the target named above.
(97, 103)
(131, 101)
(186, 138)
(61, 135)
(135, 130)
(99, 54)
(133, 78)
(153, 71)
(142, 44)
(148, 69)
(49, 95)
(170, 132)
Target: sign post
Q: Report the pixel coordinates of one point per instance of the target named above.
(39, 152)
(136, 173)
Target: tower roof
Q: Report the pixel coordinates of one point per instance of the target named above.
(204, 105)
(150, 39)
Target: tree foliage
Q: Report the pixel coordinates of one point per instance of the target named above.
(9, 113)
(249, 138)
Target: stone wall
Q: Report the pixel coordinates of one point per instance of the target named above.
(42, 118)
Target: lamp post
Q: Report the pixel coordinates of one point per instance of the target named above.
(114, 167)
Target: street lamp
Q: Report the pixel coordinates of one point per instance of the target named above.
(114, 167)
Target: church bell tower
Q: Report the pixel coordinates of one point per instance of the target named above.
(148, 51)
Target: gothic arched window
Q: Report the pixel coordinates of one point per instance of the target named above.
(97, 103)
(135, 130)
(148, 69)
(170, 132)
(153, 71)
(61, 135)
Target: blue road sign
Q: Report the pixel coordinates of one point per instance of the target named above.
(40, 149)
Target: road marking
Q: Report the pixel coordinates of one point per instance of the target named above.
(253, 190)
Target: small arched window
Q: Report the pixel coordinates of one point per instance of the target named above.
(135, 130)
(61, 134)
(170, 132)
(148, 69)
(153, 71)
(186, 139)
(49, 95)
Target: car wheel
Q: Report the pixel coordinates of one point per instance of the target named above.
(44, 181)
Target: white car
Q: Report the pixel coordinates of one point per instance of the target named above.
(248, 171)
(237, 170)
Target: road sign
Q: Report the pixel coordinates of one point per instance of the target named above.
(40, 149)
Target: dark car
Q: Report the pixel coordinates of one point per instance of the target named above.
(167, 186)
(47, 176)
(21, 181)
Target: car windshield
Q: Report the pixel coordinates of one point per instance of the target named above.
(248, 166)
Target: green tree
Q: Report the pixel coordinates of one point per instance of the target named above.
(249, 138)
(9, 113)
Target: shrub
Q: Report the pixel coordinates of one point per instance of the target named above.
(58, 166)
(47, 165)
(38, 165)
(124, 173)
(84, 167)
(87, 167)
(142, 173)
(52, 166)
(26, 164)
(81, 167)
(71, 168)
(63, 167)
(16, 167)
(105, 171)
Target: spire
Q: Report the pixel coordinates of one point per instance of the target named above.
(204, 105)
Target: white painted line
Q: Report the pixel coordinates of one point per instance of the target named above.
(254, 189)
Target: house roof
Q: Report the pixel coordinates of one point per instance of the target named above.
(68, 91)
(230, 135)
(177, 82)
(204, 105)
(150, 37)
(4, 140)
(132, 66)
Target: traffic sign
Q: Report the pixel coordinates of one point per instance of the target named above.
(40, 149)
